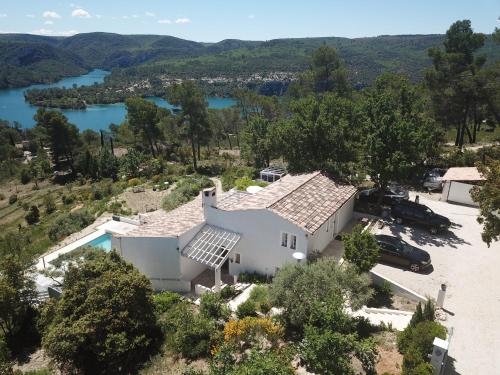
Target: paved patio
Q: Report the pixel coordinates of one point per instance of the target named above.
(471, 272)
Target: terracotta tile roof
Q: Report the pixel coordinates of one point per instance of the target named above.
(307, 200)
(463, 174)
(170, 224)
(312, 204)
(267, 196)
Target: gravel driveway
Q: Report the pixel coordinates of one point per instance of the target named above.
(471, 271)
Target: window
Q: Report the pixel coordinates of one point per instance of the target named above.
(237, 259)
(293, 242)
(284, 239)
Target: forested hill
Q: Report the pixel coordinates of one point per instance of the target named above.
(26, 59)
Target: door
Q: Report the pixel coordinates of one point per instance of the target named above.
(332, 226)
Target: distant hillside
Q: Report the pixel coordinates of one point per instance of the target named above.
(26, 59)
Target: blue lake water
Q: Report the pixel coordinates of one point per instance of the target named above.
(13, 107)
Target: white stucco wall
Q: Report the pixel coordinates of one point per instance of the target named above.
(260, 243)
(458, 192)
(337, 222)
(157, 258)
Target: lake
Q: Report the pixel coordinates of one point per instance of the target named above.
(13, 107)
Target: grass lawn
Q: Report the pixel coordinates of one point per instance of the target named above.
(482, 136)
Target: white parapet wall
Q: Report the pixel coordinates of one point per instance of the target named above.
(397, 288)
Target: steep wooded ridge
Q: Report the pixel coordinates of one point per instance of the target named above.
(26, 59)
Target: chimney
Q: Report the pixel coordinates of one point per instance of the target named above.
(208, 199)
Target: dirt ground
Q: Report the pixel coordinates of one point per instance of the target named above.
(167, 364)
(390, 360)
(145, 201)
(37, 361)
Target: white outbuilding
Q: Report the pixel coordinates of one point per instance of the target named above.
(458, 183)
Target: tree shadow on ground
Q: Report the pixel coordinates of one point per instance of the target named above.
(449, 368)
(423, 237)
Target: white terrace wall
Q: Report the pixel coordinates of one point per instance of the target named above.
(260, 243)
(326, 233)
(157, 258)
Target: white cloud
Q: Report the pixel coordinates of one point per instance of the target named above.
(50, 14)
(48, 22)
(125, 17)
(182, 20)
(251, 16)
(52, 32)
(3, 15)
(150, 14)
(30, 15)
(80, 13)
(166, 22)
(98, 16)
(135, 16)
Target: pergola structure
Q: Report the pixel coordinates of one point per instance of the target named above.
(271, 174)
(211, 246)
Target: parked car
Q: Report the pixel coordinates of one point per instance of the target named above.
(432, 179)
(406, 211)
(392, 194)
(396, 251)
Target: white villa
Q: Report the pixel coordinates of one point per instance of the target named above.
(238, 231)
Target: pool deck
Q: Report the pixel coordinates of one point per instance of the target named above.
(104, 224)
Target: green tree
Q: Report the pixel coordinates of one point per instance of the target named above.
(258, 141)
(397, 133)
(297, 288)
(104, 322)
(455, 96)
(17, 293)
(212, 306)
(33, 215)
(322, 134)
(361, 249)
(330, 341)
(143, 116)
(328, 72)
(50, 204)
(61, 136)
(488, 197)
(194, 115)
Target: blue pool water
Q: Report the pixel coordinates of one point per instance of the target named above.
(102, 242)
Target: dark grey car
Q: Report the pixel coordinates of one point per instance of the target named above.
(396, 251)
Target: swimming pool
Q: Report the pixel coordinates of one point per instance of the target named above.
(102, 242)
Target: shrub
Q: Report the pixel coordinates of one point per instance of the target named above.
(228, 292)
(419, 345)
(69, 223)
(250, 330)
(2, 196)
(188, 333)
(186, 189)
(212, 306)
(25, 176)
(210, 168)
(246, 309)
(260, 296)
(13, 199)
(164, 301)
(244, 182)
(50, 204)
(361, 249)
(133, 182)
(252, 277)
(33, 215)
(231, 175)
(68, 199)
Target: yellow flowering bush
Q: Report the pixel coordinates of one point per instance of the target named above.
(251, 329)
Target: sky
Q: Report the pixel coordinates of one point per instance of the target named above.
(215, 20)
